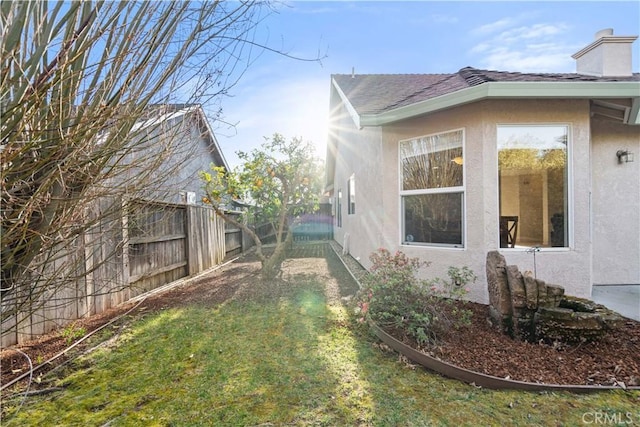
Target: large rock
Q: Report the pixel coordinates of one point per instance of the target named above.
(516, 287)
(529, 309)
(499, 295)
(542, 294)
(575, 320)
(531, 289)
(554, 295)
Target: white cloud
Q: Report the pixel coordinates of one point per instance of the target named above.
(513, 60)
(495, 26)
(536, 31)
(534, 47)
(480, 48)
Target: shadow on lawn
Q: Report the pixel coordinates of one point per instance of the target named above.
(288, 352)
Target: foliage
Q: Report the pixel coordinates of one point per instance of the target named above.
(531, 159)
(394, 297)
(278, 181)
(72, 332)
(81, 87)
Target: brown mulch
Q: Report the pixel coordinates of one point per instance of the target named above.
(612, 361)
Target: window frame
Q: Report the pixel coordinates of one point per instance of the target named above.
(461, 189)
(351, 194)
(569, 202)
(339, 208)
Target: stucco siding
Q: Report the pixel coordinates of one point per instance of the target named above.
(470, 119)
(358, 155)
(616, 204)
(569, 267)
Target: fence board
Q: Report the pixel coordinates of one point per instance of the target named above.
(120, 257)
(9, 328)
(206, 239)
(157, 245)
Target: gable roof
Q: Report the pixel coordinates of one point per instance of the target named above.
(159, 113)
(377, 99)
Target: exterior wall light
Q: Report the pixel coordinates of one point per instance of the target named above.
(624, 156)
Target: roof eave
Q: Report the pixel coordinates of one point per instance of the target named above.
(213, 141)
(352, 111)
(508, 90)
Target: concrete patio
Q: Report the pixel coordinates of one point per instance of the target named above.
(625, 299)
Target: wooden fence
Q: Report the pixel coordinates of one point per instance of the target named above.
(120, 257)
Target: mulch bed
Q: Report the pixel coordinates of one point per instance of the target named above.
(612, 361)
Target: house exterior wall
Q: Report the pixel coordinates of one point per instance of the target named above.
(193, 160)
(359, 154)
(169, 160)
(568, 267)
(469, 118)
(616, 204)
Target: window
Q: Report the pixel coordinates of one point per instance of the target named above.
(432, 189)
(339, 209)
(532, 174)
(351, 195)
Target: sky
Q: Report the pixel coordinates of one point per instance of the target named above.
(291, 97)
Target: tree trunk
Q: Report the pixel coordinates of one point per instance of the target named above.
(272, 266)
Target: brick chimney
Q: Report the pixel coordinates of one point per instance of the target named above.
(607, 56)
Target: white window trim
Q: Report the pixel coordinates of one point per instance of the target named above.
(458, 189)
(570, 189)
(351, 195)
(339, 208)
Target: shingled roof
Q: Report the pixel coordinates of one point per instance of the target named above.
(378, 93)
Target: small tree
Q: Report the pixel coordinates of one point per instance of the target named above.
(279, 181)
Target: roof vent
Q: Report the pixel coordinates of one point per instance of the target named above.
(607, 56)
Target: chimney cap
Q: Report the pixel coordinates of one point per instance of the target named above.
(606, 56)
(604, 39)
(603, 33)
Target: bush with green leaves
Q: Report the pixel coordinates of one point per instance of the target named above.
(395, 298)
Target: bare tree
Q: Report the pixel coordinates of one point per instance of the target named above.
(82, 85)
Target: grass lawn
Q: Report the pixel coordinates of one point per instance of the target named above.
(295, 359)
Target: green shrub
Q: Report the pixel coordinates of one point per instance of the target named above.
(72, 332)
(394, 298)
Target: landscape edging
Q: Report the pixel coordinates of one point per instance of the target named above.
(477, 378)
(471, 377)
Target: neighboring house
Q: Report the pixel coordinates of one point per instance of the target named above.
(447, 167)
(179, 143)
(142, 231)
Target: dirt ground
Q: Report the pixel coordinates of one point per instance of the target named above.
(611, 361)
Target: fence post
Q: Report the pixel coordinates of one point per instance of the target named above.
(188, 225)
(89, 306)
(126, 206)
